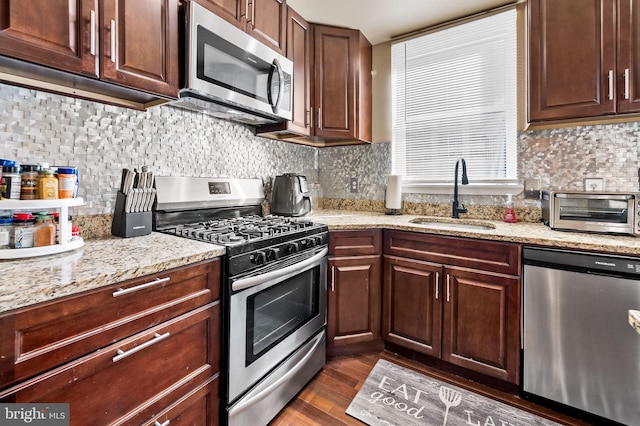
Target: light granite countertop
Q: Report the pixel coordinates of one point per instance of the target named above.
(101, 262)
(98, 263)
(634, 320)
(523, 233)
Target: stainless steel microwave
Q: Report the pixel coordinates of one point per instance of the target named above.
(602, 212)
(230, 75)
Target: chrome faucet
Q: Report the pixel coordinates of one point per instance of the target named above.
(455, 210)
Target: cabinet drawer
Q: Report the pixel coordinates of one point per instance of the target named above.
(199, 407)
(355, 243)
(484, 255)
(135, 378)
(49, 335)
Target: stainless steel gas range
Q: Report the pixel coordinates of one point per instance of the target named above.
(274, 288)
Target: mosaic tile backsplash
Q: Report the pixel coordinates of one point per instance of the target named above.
(101, 140)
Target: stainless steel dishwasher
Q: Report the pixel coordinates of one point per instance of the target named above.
(579, 348)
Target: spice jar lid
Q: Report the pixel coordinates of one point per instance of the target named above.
(45, 172)
(67, 170)
(30, 167)
(44, 217)
(23, 216)
(10, 169)
(6, 220)
(7, 162)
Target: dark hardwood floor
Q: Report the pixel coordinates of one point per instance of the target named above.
(324, 400)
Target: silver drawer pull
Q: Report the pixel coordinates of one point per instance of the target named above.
(122, 292)
(448, 290)
(156, 338)
(437, 283)
(157, 423)
(92, 35)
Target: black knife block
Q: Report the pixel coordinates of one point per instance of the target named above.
(129, 224)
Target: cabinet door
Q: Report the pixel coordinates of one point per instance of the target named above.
(336, 59)
(230, 10)
(140, 44)
(629, 56)
(55, 33)
(299, 51)
(412, 308)
(354, 302)
(267, 22)
(482, 322)
(571, 59)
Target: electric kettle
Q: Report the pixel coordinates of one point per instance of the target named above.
(290, 195)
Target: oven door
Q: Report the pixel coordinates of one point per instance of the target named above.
(271, 314)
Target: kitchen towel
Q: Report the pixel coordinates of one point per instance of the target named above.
(393, 199)
(396, 396)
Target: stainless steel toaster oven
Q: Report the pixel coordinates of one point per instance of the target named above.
(602, 212)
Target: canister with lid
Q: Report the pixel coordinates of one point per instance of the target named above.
(47, 185)
(67, 182)
(11, 181)
(44, 231)
(29, 181)
(6, 232)
(23, 230)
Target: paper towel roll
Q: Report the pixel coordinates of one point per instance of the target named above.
(394, 192)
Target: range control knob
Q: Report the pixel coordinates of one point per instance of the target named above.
(293, 248)
(272, 254)
(318, 241)
(259, 258)
(311, 242)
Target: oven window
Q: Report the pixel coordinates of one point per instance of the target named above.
(224, 64)
(275, 313)
(593, 210)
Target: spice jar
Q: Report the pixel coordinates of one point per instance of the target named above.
(47, 185)
(11, 181)
(67, 181)
(29, 181)
(23, 230)
(6, 232)
(44, 231)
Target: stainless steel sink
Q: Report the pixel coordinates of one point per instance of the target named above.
(464, 226)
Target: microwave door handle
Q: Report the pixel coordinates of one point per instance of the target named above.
(277, 68)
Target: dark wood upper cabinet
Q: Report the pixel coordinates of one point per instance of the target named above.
(265, 20)
(629, 56)
(342, 84)
(132, 43)
(230, 10)
(62, 34)
(584, 59)
(300, 51)
(572, 59)
(141, 53)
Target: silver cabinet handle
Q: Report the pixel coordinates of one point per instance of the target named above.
(156, 338)
(437, 283)
(253, 12)
(92, 35)
(626, 83)
(157, 423)
(319, 118)
(333, 278)
(113, 40)
(610, 77)
(448, 289)
(122, 292)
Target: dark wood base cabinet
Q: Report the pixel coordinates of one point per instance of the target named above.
(455, 299)
(143, 351)
(353, 324)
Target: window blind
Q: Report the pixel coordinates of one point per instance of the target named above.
(454, 94)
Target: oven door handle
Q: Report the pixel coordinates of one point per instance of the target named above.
(275, 385)
(243, 283)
